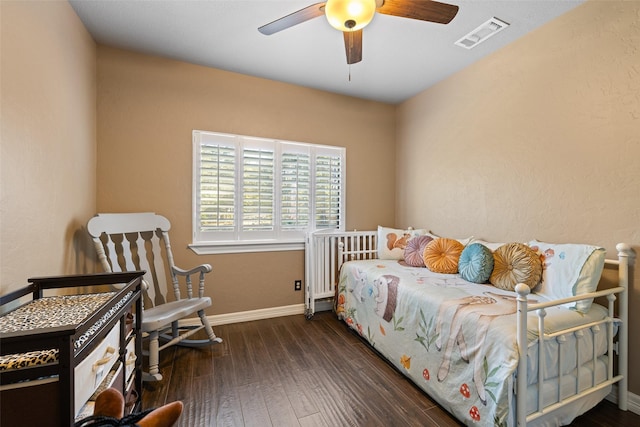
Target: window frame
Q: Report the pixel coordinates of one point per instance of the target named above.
(281, 238)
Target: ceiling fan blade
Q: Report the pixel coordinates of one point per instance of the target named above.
(353, 46)
(295, 18)
(423, 10)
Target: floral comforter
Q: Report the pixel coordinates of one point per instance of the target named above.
(455, 339)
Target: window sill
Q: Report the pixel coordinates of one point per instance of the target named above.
(235, 247)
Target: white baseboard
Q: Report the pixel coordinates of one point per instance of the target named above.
(634, 403)
(633, 400)
(263, 313)
(247, 316)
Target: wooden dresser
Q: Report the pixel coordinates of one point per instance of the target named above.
(57, 350)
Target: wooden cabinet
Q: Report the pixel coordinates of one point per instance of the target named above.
(57, 350)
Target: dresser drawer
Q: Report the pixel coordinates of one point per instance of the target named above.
(91, 371)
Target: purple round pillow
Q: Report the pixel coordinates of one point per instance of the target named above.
(414, 249)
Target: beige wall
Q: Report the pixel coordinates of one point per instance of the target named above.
(539, 140)
(147, 109)
(48, 147)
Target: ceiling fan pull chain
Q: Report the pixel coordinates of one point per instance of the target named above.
(349, 72)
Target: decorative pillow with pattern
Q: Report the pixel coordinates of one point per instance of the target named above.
(393, 241)
(569, 269)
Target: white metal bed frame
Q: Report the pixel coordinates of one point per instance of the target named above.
(327, 250)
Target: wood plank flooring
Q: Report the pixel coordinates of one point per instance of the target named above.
(289, 371)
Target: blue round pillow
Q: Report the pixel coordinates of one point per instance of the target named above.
(475, 263)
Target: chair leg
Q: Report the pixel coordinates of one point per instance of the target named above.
(207, 327)
(175, 331)
(154, 358)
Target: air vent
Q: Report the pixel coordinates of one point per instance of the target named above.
(483, 32)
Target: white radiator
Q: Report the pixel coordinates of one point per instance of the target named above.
(325, 251)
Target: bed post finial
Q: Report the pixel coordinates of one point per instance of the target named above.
(522, 290)
(625, 250)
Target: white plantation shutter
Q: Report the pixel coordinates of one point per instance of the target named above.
(218, 187)
(248, 191)
(295, 196)
(258, 189)
(216, 205)
(328, 191)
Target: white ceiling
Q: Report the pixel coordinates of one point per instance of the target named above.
(400, 57)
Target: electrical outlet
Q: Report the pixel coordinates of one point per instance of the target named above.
(297, 285)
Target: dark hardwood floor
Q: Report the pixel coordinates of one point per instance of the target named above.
(289, 371)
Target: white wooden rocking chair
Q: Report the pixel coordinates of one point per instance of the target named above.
(140, 241)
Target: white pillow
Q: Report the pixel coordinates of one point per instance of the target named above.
(464, 241)
(393, 241)
(568, 270)
(491, 245)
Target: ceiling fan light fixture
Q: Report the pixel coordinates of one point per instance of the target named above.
(350, 15)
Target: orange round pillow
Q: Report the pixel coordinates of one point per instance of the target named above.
(441, 255)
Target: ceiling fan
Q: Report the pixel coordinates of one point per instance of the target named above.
(351, 16)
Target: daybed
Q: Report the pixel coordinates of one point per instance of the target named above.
(457, 333)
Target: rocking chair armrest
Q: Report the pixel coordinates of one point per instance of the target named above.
(202, 268)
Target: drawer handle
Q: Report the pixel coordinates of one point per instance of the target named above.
(131, 358)
(110, 351)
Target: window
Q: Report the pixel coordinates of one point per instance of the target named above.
(254, 194)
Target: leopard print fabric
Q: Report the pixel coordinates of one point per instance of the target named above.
(25, 360)
(51, 312)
